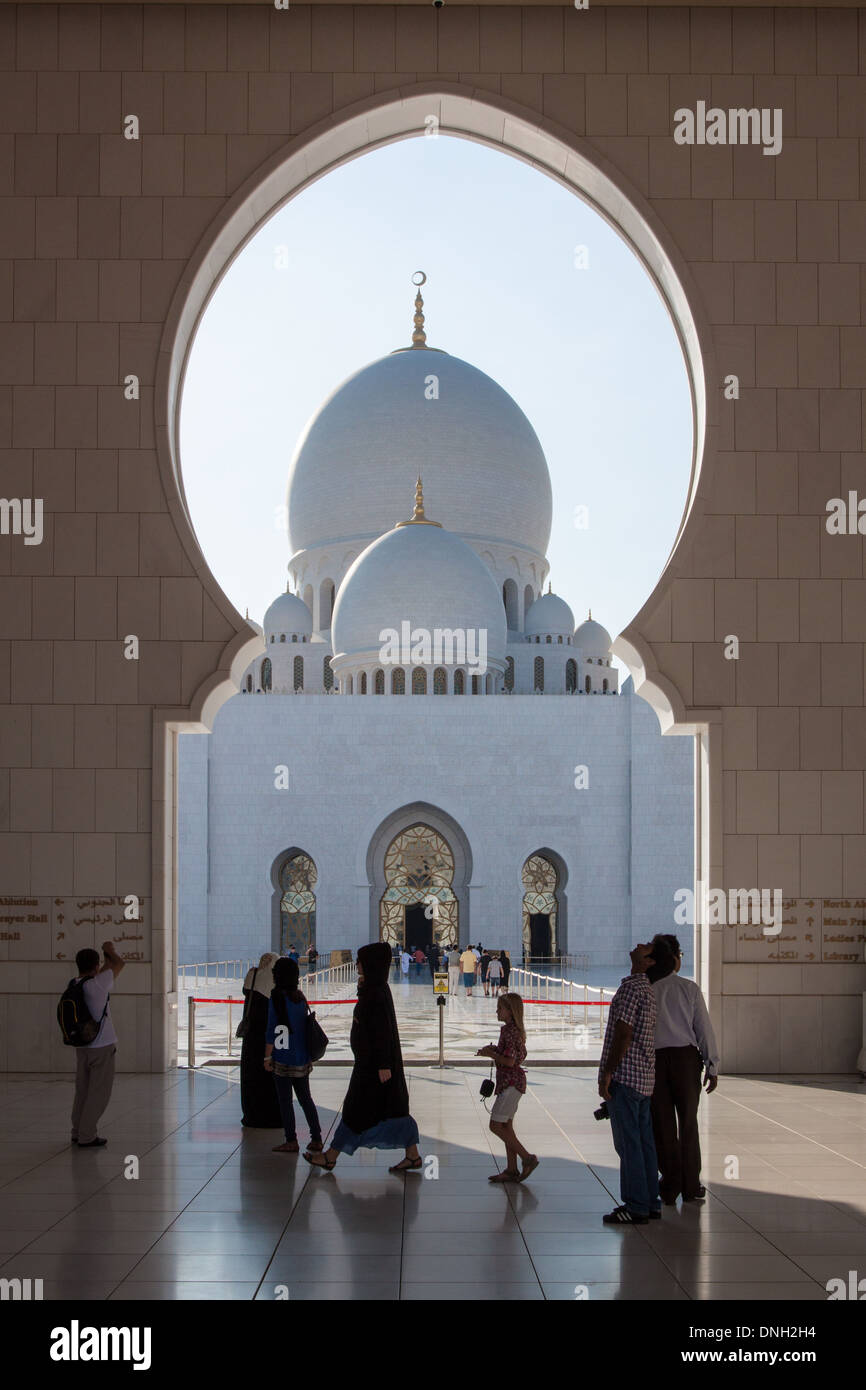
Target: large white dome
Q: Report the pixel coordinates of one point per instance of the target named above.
(288, 613)
(485, 474)
(550, 614)
(424, 576)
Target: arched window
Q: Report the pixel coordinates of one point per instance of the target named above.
(294, 637)
(282, 637)
(272, 637)
(528, 598)
(548, 639)
(440, 682)
(476, 685)
(488, 684)
(398, 681)
(588, 684)
(298, 669)
(538, 672)
(266, 674)
(604, 687)
(379, 683)
(459, 683)
(509, 673)
(327, 673)
(559, 640)
(297, 878)
(363, 689)
(570, 676)
(326, 603)
(249, 685)
(419, 681)
(350, 685)
(308, 597)
(509, 598)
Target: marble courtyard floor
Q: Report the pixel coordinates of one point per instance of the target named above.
(213, 1214)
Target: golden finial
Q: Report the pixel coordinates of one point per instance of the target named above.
(248, 614)
(418, 518)
(590, 614)
(419, 337)
(549, 587)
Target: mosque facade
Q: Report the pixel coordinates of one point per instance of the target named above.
(338, 800)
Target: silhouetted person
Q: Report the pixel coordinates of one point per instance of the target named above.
(94, 1062)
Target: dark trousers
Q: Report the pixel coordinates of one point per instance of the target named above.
(675, 1120)
(632, 1134)
(300, 1086)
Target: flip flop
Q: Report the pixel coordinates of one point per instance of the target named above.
(507, 1175)
(529, 1167)
(406, 1165)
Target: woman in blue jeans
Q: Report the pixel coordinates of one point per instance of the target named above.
(287, 1057)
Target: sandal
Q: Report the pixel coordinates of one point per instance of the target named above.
(507, 1175)
(315, 1146)
(324, 1163)
(287, 1148)
(529, 1167)
(406, 1165)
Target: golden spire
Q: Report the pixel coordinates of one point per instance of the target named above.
(549, 587)
(248, 613)
(419, 337)
(418, 518)
(589, 610)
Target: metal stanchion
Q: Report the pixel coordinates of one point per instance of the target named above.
(190, 1033)
(229, 1036)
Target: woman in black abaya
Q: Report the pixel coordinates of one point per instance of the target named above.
(259, 1102)
(376, 1107)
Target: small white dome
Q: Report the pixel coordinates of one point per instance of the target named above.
(593, 639)
(428, 578)
(549, 614)
(288, 614)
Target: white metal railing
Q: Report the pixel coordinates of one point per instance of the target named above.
(569, 994)
(321, 981)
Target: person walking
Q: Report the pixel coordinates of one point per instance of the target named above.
(685, 1046)
(625, 1082)
(376, 1106)
(420, 961)
(405, 961)
(94, 1061)
(287, 1058)
(453, 968)
(507, 1054)
(494, 975)
(485, 966)
(506, 969)
(469, 965)
(259, 1105)
(312, 957)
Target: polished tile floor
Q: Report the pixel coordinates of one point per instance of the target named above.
(214, 1214)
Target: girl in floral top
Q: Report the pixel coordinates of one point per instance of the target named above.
(508, 1054)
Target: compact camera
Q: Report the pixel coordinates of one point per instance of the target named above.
(602, 1113)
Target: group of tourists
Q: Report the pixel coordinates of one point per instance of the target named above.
(658, 1050)
(473, 966)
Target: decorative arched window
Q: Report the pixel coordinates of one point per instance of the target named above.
(559, 640)
(588, 684)
(440, 681)
(538, 673)
(379, 683)
(266, 674)
(476, 685)
(604, 687)
(294, 637)
(509, 673)
(363, 689)
(510, 599)
(398, 681)
(273, 639)
(528, 599)
(548, 639)
(297, 878)
(570, 676)
(459, 683)
(419, 681)
(298, 670)
(326, 603)
(282, 637)
(249, 685)
(327, 673)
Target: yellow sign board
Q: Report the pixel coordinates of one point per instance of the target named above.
(440, 982)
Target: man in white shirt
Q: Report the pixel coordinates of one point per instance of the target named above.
(94, 1076)
(684, 1045)
(453, 968)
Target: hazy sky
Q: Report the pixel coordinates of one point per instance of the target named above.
(589, 354)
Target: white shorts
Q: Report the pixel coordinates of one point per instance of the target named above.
(505, 1105)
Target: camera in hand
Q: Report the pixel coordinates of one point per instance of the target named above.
(602, 1113)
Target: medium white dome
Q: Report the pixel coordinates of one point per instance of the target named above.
(549, 614)
(485, 474)
(593, 639)
(427, 577)
(288, 614)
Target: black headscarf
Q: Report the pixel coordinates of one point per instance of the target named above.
(286, 975)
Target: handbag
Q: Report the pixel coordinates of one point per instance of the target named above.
(314, 1035)
(487, 1085)
(243, 1027)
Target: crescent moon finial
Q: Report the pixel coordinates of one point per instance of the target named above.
(419, 337)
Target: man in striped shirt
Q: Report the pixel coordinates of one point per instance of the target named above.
(625, 1082)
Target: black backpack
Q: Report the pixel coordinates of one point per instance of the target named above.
(77, 1023)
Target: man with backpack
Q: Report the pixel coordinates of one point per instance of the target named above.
(94, 1076)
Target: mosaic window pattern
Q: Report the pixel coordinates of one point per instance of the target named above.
(398, 681)
(538, 673)
(327, 674)
(459, 682)
(379, 683)
(298, 670)
(267, 674)
(419, 681)
(363, 688)
(571, 675)
(297, 879)
(509, 673)
(419, 866)
(540, 881)
(440, 681)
